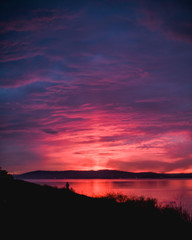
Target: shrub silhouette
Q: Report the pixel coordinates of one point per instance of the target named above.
(4, 176)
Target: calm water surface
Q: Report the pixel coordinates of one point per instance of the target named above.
(176, 191)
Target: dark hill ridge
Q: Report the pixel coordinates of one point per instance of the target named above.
(100, 174)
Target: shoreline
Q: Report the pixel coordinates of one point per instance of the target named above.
(26, 204)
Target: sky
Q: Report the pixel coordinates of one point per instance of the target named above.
(88, 85)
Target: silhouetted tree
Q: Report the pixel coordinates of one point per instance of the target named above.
(4, 175)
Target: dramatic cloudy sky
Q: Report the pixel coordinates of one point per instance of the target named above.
(96, 84)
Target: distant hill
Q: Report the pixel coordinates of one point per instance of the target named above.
(100, 174)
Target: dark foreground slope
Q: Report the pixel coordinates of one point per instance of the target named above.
(30, 209)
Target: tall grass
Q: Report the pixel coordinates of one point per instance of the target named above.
(151, 205)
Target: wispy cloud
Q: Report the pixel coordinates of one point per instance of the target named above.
(95, 85)
(39, 19)
(173, 18)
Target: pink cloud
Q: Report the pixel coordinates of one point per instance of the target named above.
(92, 138)
(39, 20)
(168, 18)
(103, 146)
(84, 92)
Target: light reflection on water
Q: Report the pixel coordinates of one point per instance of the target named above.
(165, 191)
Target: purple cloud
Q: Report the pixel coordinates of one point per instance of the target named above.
(87, 84)
(39, 19)
(173, 18)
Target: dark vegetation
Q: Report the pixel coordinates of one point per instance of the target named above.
(30, 209)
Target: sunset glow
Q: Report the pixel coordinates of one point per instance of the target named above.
(88, 85)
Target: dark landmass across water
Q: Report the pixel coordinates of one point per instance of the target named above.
(100, 174)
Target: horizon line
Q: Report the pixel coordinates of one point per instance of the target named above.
(92, 170)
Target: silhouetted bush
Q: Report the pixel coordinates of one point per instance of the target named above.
(4, 176)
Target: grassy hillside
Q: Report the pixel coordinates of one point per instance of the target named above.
(28, 205)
